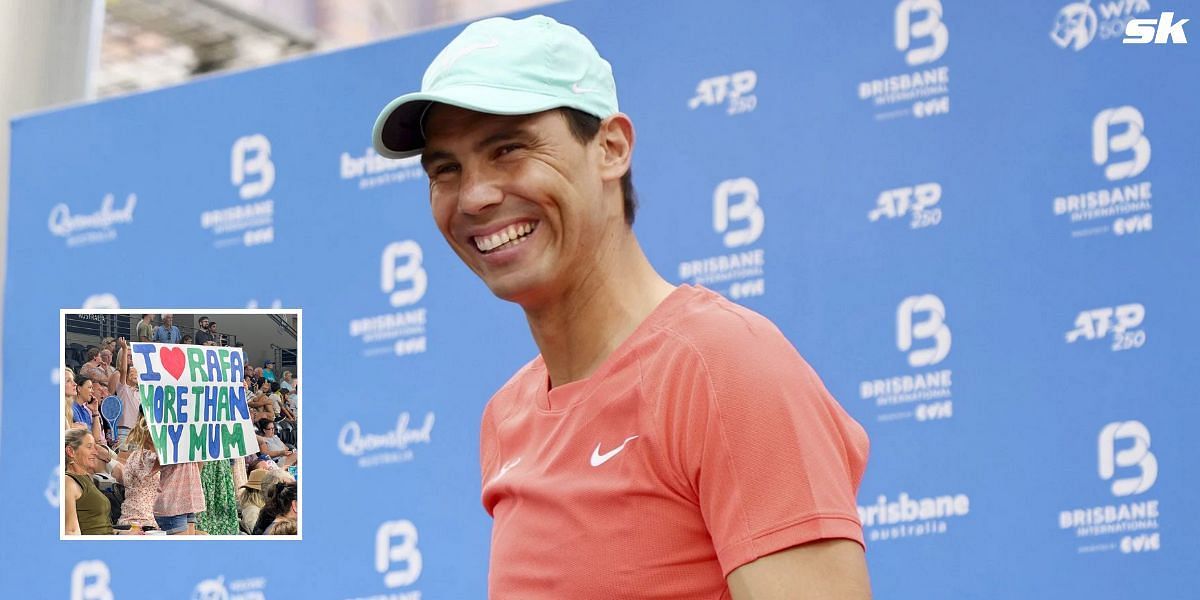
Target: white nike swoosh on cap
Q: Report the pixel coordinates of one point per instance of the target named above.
(581, 90)
(599, 459)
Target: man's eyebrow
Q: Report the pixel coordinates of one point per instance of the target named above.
(508, 133)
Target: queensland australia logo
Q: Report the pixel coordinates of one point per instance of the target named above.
(239, 589)
(923, 335)
(393, 446)
(1121, 151)
(905, 516)
(398, 559)
(917, 204)
(1119, 326)
(921, 37)
(738, 221)
(370, 170)
(1078, 24)
(1122, 515)
(403, 281)
(252, 175)
(733, 92)
(83, 229)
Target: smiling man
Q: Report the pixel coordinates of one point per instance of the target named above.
(665, 443)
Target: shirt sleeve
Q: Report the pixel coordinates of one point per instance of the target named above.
(776, 461)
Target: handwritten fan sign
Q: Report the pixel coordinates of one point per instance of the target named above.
(194, 402)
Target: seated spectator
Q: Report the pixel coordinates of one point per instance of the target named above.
(286, 383)
(286, 405)
(282, 503)
(250, 499)
(70, 392)
(86, 508)
(141, 479)
(285, 527)
(270, 443)
(268, 372)
(261, 403)
(187, 339)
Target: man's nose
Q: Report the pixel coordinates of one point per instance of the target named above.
(479, 190)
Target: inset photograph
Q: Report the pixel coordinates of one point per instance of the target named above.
(181, 425)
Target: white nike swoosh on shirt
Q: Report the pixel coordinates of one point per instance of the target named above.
(599, 459)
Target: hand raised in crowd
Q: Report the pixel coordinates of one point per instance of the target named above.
(121, 343)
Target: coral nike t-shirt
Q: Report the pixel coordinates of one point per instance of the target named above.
(701, 444)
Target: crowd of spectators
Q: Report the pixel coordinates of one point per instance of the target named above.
(115, 484)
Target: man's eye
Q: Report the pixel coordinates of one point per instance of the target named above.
(445, 168)
(505, 149)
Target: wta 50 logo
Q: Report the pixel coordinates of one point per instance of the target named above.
(921, 36)
(91, 228)
(252, 175)
(738, 220)
(1120, 324)
(1120, 145)
(403, 281)
(918, 203)
(734, 91)
(923, 336)
(398, 559)
(1128, 469)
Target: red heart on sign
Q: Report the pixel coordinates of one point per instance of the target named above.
(172, 360)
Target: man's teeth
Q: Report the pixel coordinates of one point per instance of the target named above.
(509, 235)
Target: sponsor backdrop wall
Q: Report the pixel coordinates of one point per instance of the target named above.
(978, 221)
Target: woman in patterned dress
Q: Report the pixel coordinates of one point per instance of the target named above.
(141, 479)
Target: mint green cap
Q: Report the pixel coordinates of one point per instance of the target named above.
(502, 67)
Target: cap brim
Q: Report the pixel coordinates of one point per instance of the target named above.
(398, 133)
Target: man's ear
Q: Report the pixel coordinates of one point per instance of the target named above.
(616, 145)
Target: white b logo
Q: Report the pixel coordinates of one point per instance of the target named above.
(101, 302)
(1133, 139)
(89, 581)
(388, 554)
(747, 210)
(410, 271)
(1137, 456)
(251, 155)
(934, 327)
(931, 26)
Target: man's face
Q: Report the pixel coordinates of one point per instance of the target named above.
(168, 319)
(526, 177)
(203, 323)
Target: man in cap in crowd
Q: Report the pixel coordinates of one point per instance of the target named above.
(665, 443)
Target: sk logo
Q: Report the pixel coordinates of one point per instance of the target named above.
(1133, 138)
(931, 26)
(1138, 455)
(388, 554)
(747, 210)
(934, 327)
(251, 155)
(409, 271)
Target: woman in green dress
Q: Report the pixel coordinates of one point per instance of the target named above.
(220, 498)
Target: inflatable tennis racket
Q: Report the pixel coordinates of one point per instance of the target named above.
(110, 409)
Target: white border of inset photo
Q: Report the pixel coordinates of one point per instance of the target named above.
(62, 341)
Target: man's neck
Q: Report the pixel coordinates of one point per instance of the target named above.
(578, 330)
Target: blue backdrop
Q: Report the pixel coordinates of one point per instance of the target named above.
(978, 221)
